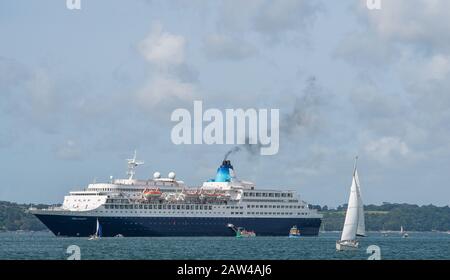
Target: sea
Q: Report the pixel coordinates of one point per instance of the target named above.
(44, 245)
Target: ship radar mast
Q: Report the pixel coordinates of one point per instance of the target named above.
(132, 164)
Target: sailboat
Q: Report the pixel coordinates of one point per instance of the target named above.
(98, 232)
(403, 232)
(323, 228)
(354, 224)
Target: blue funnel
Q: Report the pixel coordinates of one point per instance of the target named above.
(223, 172)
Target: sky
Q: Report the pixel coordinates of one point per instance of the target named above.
(80, 90)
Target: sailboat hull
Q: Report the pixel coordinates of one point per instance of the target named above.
(347, 245)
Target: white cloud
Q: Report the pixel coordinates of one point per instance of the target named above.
(163, 48)
(387, 148)
(171, 78)
(273, 20)
(225, 47)
(412, 21)
(70, 150)
(427, 81)
(405, 50)
(275, 17)
(162, 88)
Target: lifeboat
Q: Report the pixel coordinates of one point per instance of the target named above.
(152, 193)
(191, 193)
(214, 195)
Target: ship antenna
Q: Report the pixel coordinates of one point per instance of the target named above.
(132, 164)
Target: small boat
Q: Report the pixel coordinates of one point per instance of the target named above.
(242, 232)
(403, 232)
(98, 232)
(322, 230)
(294, 232)
(384, 232)
(118, 235)
(245, 233)
(354, 224)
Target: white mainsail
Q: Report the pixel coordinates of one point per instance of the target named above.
(354, 219)
(98, 231)
(361, 230)
(351, 217)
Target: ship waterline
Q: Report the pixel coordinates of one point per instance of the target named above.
(174, 226)
(167, 207)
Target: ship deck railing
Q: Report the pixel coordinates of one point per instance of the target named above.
(49, 208)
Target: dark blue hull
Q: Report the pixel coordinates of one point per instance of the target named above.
(62, 225)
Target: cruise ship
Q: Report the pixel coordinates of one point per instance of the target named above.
(165, 206)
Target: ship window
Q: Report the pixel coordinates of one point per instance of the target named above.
(159, 206)
(178, 207)
(271, 194)
(183, 207)
(264, 195)
(196, 207)
(258, 194)
(210, 207)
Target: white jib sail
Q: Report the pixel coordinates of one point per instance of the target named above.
(98, 227)
(361, 230)
(351, 217)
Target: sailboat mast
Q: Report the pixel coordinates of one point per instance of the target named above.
(354, 167)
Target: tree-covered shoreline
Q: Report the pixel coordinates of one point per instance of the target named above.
(388, 216)
(391, 216)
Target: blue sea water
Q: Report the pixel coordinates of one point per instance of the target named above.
(44, 245)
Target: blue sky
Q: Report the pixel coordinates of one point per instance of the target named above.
(80, 90)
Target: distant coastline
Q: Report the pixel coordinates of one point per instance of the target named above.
(385, 217)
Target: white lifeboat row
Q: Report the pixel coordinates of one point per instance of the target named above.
(193, 194)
